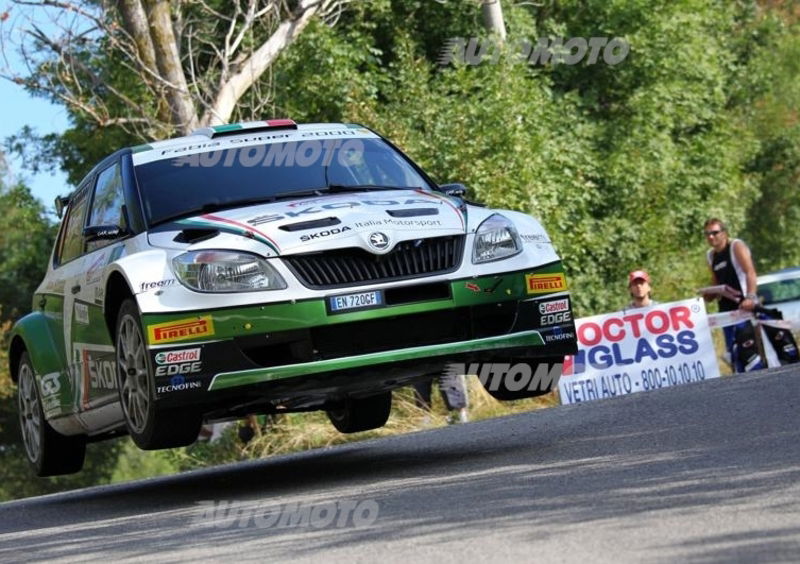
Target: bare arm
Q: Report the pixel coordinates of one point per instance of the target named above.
(708, 297)
(745, 260)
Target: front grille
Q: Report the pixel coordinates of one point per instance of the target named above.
(383, 334)
(338, 268)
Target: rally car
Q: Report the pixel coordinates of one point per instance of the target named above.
(270, 267)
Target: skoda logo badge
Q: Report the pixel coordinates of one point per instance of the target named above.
(378, 240)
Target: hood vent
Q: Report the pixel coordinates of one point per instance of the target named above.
(314, 224)
(195, 235)
(413, 212)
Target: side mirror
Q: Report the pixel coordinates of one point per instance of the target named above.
(61, 203)
(104, 232)
(456, 189)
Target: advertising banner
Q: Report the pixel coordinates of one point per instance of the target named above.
(638, 350)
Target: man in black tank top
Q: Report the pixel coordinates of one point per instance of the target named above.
(731, 263)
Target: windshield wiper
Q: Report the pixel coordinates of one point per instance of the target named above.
(205, 208)
(216, 205)
(296, 194)
(366, 187)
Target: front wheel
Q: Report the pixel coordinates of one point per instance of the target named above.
(362, 414)
(50, 453)
(150, 427)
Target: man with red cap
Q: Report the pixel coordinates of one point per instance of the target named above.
(639, 288)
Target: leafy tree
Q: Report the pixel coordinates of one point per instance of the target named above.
(772, 92)
(192, 63)
(622, 163)
(26, 237)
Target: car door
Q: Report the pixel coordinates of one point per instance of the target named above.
(62, 290)
(90, 341)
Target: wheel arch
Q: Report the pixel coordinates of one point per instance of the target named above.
(33, 334)
(15, 350)
(117, 291)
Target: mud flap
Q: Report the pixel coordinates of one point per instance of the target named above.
(745, 349)
(783, 343)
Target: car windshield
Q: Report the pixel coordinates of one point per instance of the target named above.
(191, 184)
(780, 291)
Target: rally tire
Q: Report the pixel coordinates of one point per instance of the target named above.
(506, 389)
(149, 426)
(362, 414)
(50, 453)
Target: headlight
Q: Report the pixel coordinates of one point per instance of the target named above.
(495, 239)
(225, 271)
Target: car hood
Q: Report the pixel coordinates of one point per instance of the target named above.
(324, 222)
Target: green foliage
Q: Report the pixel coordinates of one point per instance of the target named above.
(669, 149)
(772, 113)
(18, 478)
(133, 463)
(26, 237)
(621, 163)
(341, 63)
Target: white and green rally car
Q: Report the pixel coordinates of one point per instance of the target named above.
(270, 267)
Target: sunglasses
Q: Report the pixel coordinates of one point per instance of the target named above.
(713, 233)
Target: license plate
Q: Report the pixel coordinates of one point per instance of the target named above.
(351, 302)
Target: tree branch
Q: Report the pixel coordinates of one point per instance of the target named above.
(254, 66)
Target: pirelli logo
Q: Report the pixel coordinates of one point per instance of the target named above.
(545, 283)
(181, 330)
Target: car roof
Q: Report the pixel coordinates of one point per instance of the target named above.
(784, 274)
(244, 128)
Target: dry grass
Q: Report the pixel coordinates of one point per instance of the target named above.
(718, 338)
(303, 431)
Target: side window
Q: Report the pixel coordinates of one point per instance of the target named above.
(71, 245)
(107, 202)
(108, 198)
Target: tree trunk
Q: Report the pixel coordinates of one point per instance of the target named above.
(493, 18)
(134, 20)
(184, 115)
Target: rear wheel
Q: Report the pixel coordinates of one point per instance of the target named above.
(527, 378)
(51, 453)
(150, 427)
(362, 414)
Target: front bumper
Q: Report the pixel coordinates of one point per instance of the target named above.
(280, 350)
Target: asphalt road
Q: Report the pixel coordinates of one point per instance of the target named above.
(708, 472)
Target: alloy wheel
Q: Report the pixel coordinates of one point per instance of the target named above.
(30, 415)
(133, 377)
